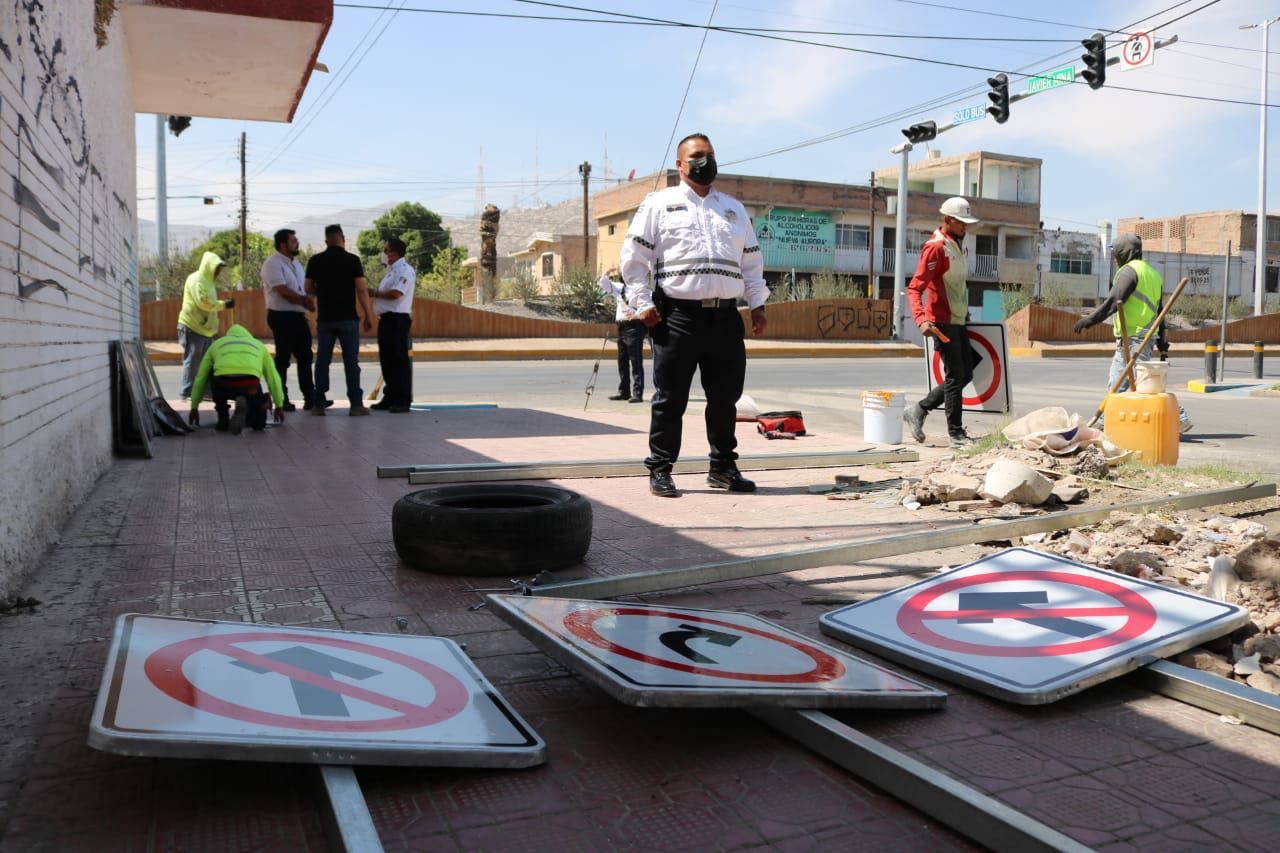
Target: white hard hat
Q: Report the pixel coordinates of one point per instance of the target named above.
(958, 208)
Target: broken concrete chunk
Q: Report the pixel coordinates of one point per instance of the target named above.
(1248, 665)
(1205, 661)
(1260, 561)
(954, 486)
(1155, 531)
(1267, 646)
(1078, 543)
(1247, 529)
(1264, 681)
(1070, 493)
(1137, 564)
(1010, 481)
(1270, 622)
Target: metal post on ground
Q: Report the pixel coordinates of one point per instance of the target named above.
(1222, 345)
(346, 818)
(1210, 362)
(900, 239)
(1258, 352)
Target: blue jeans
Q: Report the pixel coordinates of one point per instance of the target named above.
(194, 346)
(1118, 363)
(347, 334)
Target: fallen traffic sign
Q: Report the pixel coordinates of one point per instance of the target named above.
(989, 389)
(1031, 627)
(684, 657)
(189, 688)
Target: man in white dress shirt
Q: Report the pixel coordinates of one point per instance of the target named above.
(287, 307)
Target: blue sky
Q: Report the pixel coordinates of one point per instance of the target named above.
(408, 119)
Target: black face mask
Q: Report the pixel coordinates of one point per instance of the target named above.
(702, 170)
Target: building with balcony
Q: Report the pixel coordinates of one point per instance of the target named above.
(807, 228)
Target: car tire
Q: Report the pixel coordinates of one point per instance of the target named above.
(491, 529)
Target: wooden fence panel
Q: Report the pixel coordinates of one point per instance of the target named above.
(1049, 325)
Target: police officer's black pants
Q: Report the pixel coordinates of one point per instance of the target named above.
(957, 365)
(395, 358)
(631, 358)
(690, 338)
(292, 334)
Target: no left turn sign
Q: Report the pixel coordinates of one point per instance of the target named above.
(1031, 627)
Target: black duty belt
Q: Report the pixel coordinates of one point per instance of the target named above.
(714, 302)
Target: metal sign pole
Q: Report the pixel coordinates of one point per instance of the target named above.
(900, 240)
(348, 824)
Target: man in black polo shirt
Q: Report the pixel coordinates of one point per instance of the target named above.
(336, 277)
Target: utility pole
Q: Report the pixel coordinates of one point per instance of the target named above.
(900, 240)
(244, 213)
(871, 244)
(162, 203)
(1260, 249)
(585, 171)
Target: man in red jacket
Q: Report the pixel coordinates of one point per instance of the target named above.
(939, 295)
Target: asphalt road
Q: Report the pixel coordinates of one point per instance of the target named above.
(1230, 427)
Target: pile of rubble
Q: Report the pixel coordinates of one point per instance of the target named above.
(1013, 477)
(1226, 558)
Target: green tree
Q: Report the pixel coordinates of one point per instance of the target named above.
(448, 277)
(421, 230)
(226, 245)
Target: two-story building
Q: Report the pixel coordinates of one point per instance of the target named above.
(1195, 245)
(806, 228)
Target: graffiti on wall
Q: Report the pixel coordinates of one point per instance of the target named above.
(61, 194)
(839, 321)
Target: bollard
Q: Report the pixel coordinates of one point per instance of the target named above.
(1210, 362)
(1257, 359)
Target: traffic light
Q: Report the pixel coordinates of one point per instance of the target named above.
(1095, 60)
(999, 95)
(177, 124)
(922, 132)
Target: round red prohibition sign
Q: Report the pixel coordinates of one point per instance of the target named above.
(1138, 612)
(581, 623)
(1135, 49)
(164, 669)
(996, 370)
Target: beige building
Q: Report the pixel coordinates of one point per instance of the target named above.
(806, 228)
(1206, 234)
(549, 255)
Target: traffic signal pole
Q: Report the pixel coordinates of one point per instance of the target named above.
(930, 130)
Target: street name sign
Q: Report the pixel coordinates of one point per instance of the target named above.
(190, 688)
(684, 657)
(1052, 80)
(973, 112)
(1031, 627)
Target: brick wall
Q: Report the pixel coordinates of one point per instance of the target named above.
(67, 263)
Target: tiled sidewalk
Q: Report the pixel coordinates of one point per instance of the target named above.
(292, 527)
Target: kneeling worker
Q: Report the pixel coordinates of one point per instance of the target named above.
(234, 367)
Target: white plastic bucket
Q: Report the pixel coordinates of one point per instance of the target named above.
(1150, 376)
(882, 416)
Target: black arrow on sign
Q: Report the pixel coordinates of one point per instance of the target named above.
(678, 641)
(979, 601)
(315, 701)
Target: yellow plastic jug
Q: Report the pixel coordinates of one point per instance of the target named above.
(1147, 424)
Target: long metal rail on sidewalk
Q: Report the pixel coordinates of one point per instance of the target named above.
(888, 546)
(964, 809)
(486, 471)
(1211, 693)
(348, 825)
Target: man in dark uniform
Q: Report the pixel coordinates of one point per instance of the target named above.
(699, 247)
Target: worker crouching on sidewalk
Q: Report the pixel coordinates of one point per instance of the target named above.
(234, 367)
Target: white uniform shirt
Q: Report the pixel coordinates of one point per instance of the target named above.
(400, 276)
(695, 247)
(617, 290)
(282, 269)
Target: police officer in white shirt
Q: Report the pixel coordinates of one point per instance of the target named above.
(287, 307)
(631, 333)
(700, 249)
(393, 303)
